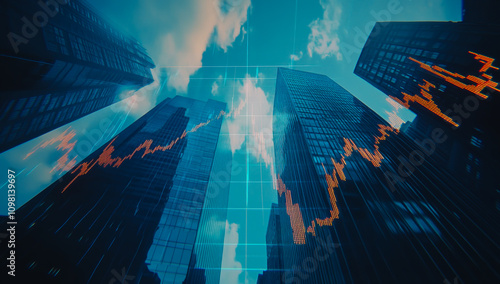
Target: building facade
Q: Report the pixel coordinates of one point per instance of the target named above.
(209, 245)
(131, 210)
(358, 205)
(275, 268)
(60, 61)
(174, 242)
(447, 74)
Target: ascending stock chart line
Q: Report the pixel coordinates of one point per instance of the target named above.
(332, 180)
(105, 159)
(66, 140)
(146, 148)
(64, 144)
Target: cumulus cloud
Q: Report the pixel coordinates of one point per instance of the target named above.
(324, 39)
(184, 29)
(231, 269)
(395, 105)
(294, 57)
(215, 85)
(252, 122)
(215, 88)
(232, 14)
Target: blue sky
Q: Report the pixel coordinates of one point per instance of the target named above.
(229, 50)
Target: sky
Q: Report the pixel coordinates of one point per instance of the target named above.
(229, 50)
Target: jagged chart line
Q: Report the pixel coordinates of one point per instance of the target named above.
(293, 210)
(65, 144)
(105, 159)
(64, 164)
(425, 99)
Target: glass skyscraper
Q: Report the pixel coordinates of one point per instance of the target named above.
(173, 243)
(274, 272)
(447, 74)
(131, 210)
(357, 204)
(209, 244)
(60, 60)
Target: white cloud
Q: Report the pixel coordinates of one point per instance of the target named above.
(215, 88)
(294, 57)
(231, 269)
(324, 39)
(232, 15)
(182, 30)
(215, 85)
(394, 119)
(252, 122)
(395, 105)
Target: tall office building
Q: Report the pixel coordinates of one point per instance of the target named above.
(209, 245)
(131, 210)
(362, 203)
(60, 61)
(274, 272)
(174, 242)
(447, 74)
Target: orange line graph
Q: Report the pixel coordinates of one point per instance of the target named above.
(105, 159)
(332, 180)
(478, 84)
(65, 144)
(425, 99)
(293, 210)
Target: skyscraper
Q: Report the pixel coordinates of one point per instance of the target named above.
(274, 272)
(360, 202)
(445, 73)
(209, 245)
(174, 242)
(60, 61)
(121, 212)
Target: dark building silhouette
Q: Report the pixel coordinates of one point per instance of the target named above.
(209, 245)
(360, 202)
(447, 74)
(194, 274)
(60, 61)
(175, 240)
(274, 272)
(130, 211)
(481, 11)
